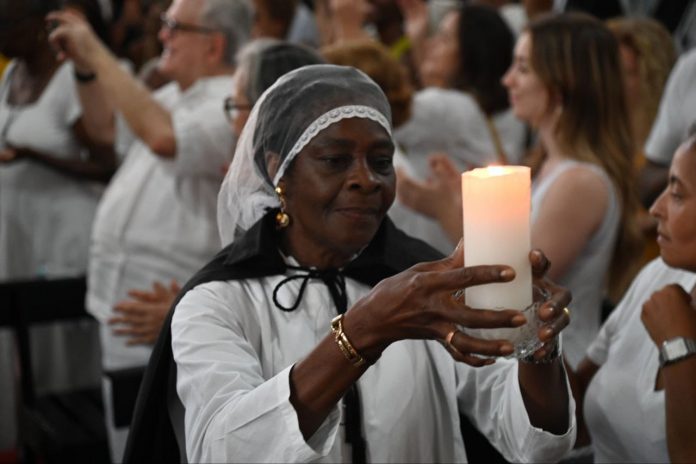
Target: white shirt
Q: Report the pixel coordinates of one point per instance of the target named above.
(450, 122)
(586, 276)
(234, 350)
(676, 114)
(157, 219)
(624, 414)
(45, 216)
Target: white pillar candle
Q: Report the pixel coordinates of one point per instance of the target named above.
(497, 203)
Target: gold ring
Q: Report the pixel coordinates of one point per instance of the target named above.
(567, 311)
(448, 342)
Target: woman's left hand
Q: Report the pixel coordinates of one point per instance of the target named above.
(553, 313)
(669, 313)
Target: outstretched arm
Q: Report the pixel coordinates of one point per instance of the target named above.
(113, 89)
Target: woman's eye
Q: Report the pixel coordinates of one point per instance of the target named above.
(675, 195)
(336, 161)
(382, 164)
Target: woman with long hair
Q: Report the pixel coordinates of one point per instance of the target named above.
(566, 83)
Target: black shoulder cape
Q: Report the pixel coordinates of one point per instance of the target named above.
(255, 255)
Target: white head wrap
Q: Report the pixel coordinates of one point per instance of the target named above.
(284, 120)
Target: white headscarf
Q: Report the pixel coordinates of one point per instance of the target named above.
(284, 120)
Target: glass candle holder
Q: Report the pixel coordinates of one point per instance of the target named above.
(524, 339)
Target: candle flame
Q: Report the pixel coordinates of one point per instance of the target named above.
(494, 171)
(497, 170)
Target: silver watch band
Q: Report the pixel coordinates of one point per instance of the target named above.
(676, 349)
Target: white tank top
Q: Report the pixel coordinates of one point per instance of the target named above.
(586, 276)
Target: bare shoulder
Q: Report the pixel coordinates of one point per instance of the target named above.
(578, 198)
(583, 186)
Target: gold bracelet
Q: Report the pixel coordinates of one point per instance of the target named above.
(343, 343)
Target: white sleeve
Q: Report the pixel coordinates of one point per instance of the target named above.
(633, 300)
(675, 113)
(233, 413)
(204, 140)
(490, 396)
(450, 122)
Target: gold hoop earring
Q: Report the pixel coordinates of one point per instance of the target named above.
(282, 218)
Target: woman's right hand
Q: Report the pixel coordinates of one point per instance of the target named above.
(416, 19)
(74, 39)
(422, 303)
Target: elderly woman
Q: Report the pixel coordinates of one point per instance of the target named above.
(313, 302)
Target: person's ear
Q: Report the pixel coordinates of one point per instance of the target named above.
(272, 163)
(218, 46)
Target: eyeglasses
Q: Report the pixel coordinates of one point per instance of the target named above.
(231, 108)
(173, 25)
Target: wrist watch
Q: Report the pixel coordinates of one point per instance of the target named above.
(676, 349)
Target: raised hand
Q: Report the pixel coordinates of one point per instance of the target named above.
(669, 313)
(415, 14)
(74, 39)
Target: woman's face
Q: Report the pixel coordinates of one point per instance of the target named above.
(339, 188)
(20, 32)
(441, 64)
(528, 96)
(675, 211)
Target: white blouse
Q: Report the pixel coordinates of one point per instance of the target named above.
(234, 351)
(624, 414)
(45, 216)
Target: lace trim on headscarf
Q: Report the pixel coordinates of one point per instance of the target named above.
(324, 121)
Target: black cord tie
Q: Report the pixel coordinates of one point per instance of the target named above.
(336, 283)
(332, 278)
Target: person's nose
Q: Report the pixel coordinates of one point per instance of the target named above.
(362, 177)
(507, 79)
(657, 210)
(164, 34)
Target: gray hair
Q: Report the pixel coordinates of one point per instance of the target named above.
(265, 60)
(233, 18)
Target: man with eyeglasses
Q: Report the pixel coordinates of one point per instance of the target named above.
(156, 221)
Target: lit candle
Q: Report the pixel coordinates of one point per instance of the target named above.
(497, 203)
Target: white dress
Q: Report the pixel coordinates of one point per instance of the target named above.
(586, 276)
(45, 223)
(624, 414)
(450, 122)
(45, 216)
(234, 350)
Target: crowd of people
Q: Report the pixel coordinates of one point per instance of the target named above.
(265, 199)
